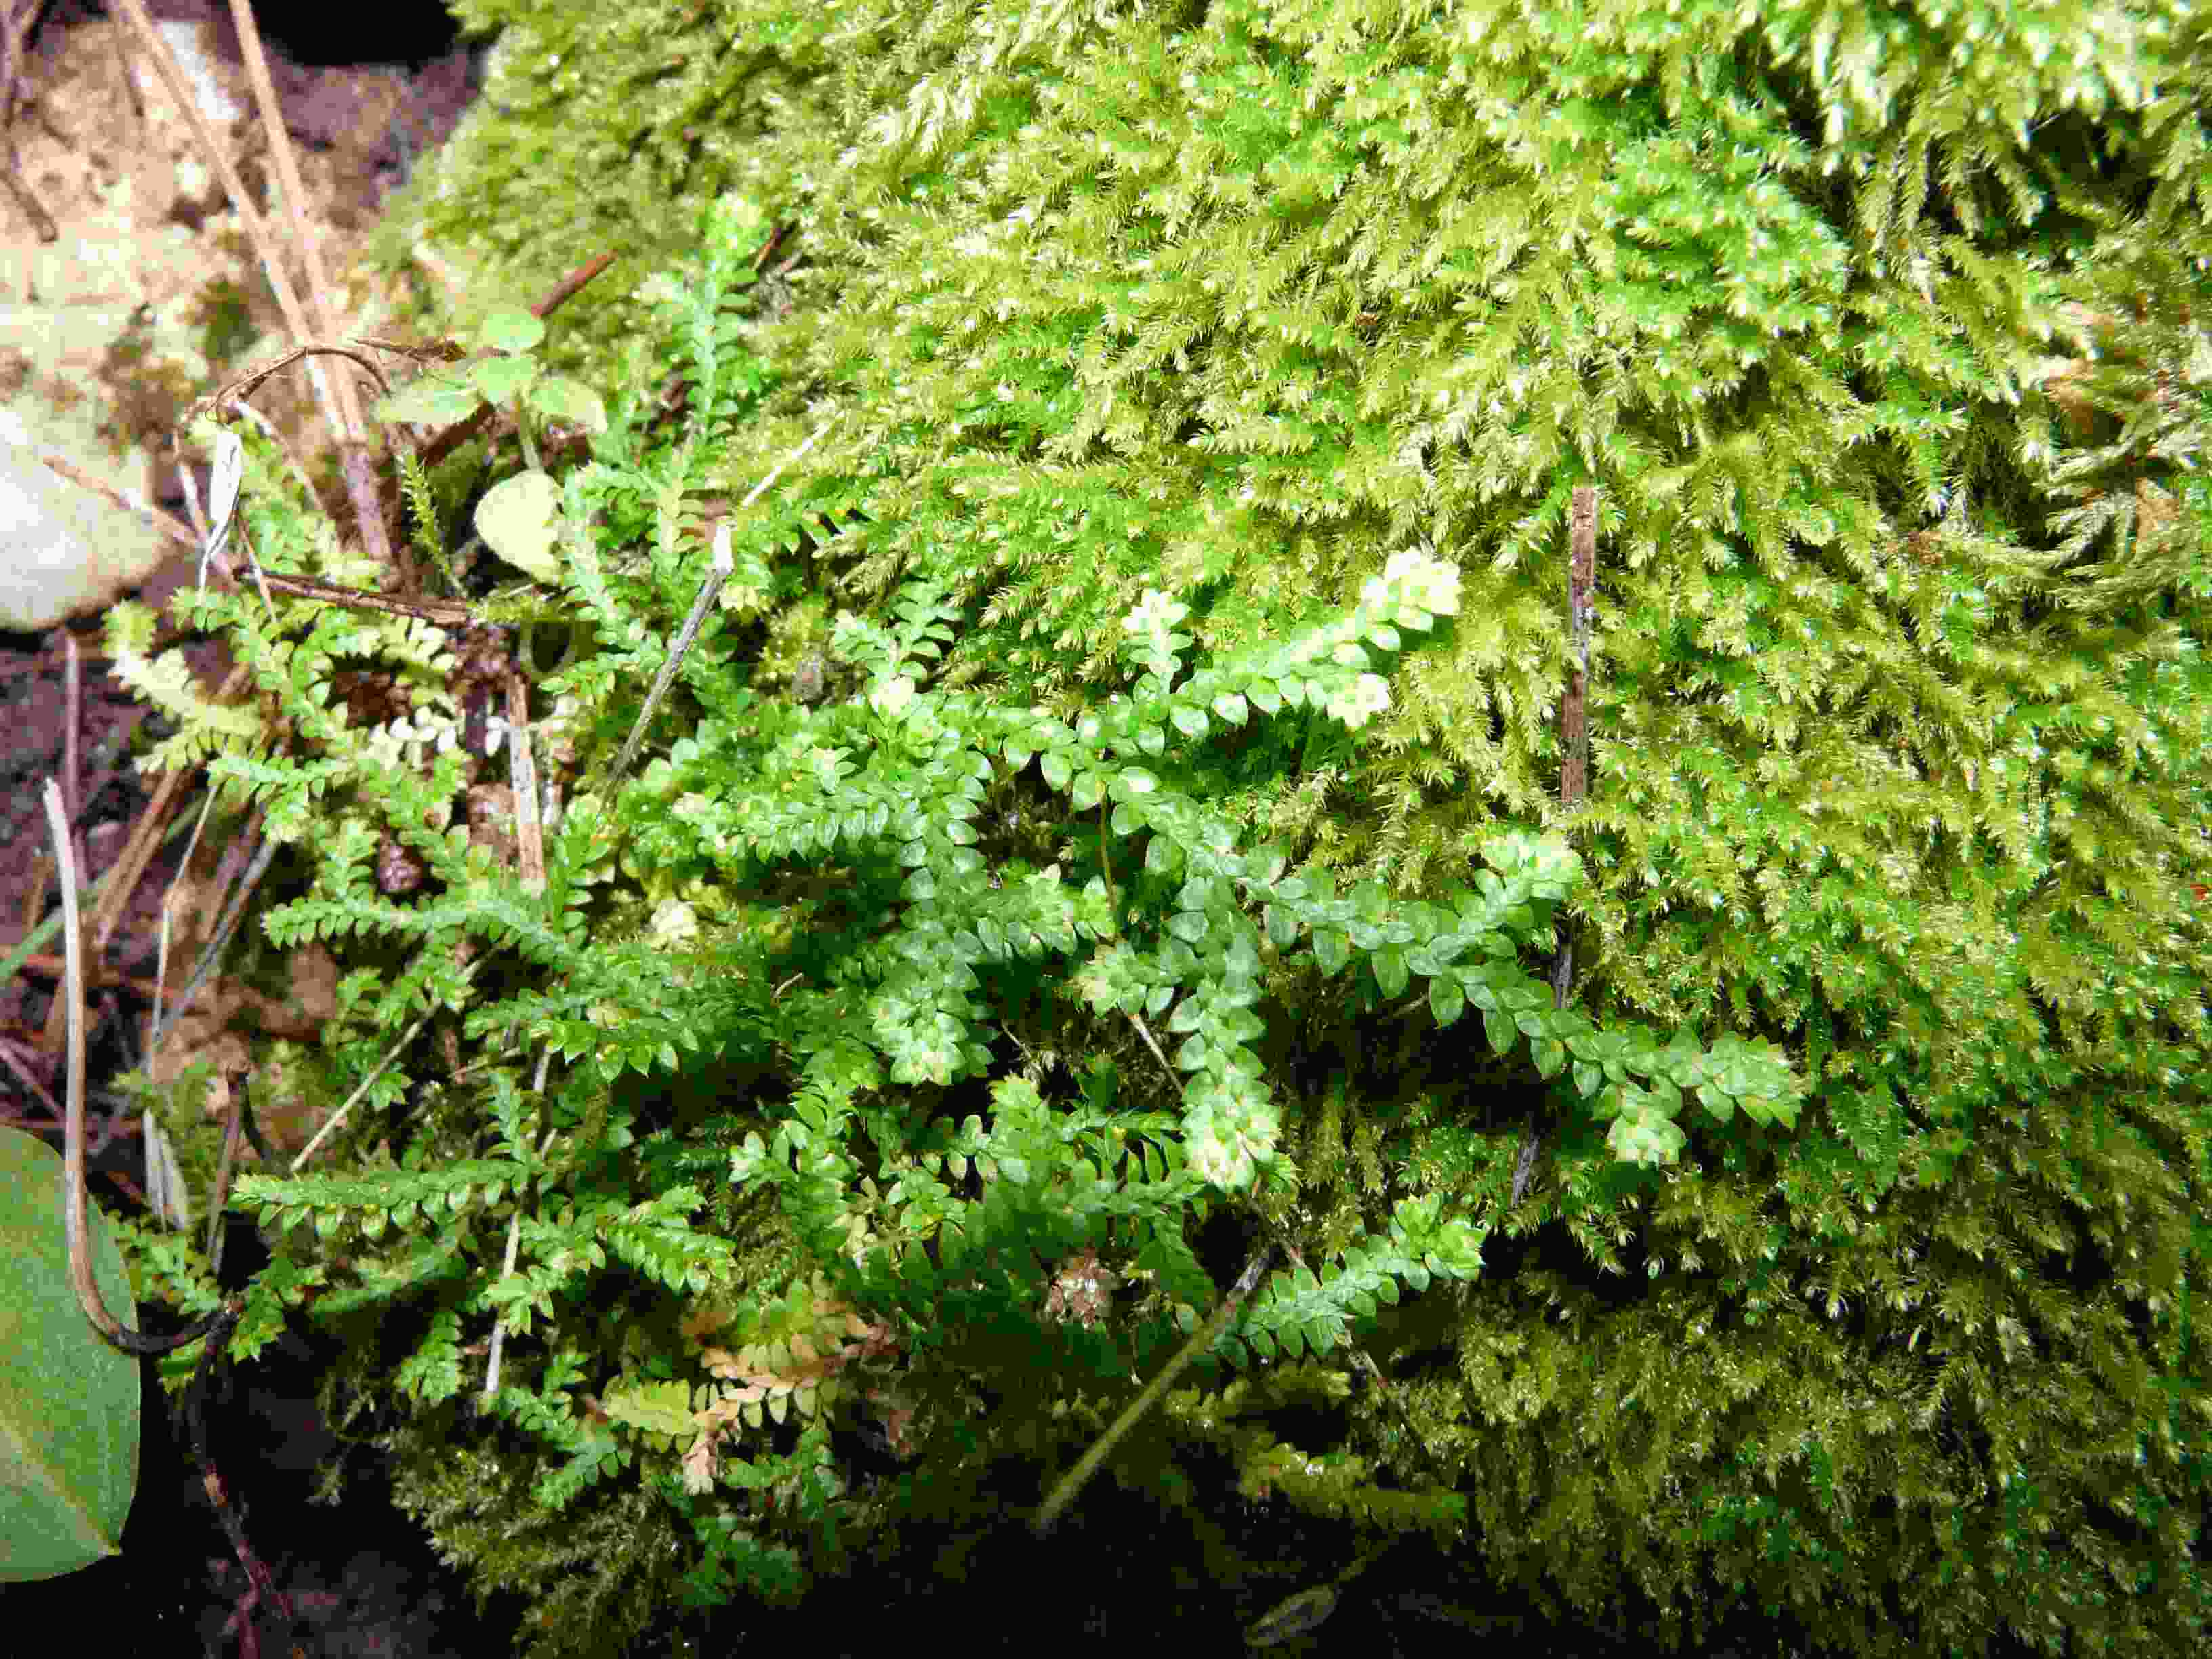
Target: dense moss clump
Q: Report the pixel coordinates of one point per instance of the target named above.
(1874, 330)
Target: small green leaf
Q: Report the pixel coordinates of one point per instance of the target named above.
(1498, 1030)
(1057, 771)
(1331, 949)
(1390, 971)
(1646, 1138)
(1446, 1001)
(1191, 722)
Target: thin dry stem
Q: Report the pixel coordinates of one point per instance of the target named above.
(218, 157)
(709, 592)
(72, 997)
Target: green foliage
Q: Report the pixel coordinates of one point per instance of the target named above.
(893, 782)
(205, 727)
(1209, 385)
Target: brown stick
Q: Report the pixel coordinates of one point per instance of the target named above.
(15, 26)
(1574, 714)
(444, 613)
(522, 778)
(161, 521)
(249, 382)
(356, 461)
(130, 868)
(275, 1017)
(1574, 759)
(218, 155)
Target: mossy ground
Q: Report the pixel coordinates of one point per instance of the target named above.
(1896, 697)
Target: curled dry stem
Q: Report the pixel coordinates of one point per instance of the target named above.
(80, 1244)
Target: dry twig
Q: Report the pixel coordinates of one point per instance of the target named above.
(1574, 760)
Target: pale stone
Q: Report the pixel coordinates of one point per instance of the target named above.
(63, 549)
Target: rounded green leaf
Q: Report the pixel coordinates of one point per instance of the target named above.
(69, 1400)
(511, 328)
(502, 379)
(519, 520)
(569, 400)
(433, 400)
(1189, 925)
(1134, 780)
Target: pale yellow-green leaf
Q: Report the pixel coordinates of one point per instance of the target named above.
(519, 519)
(569, 400)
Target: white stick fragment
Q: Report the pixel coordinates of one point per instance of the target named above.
(711, 590)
